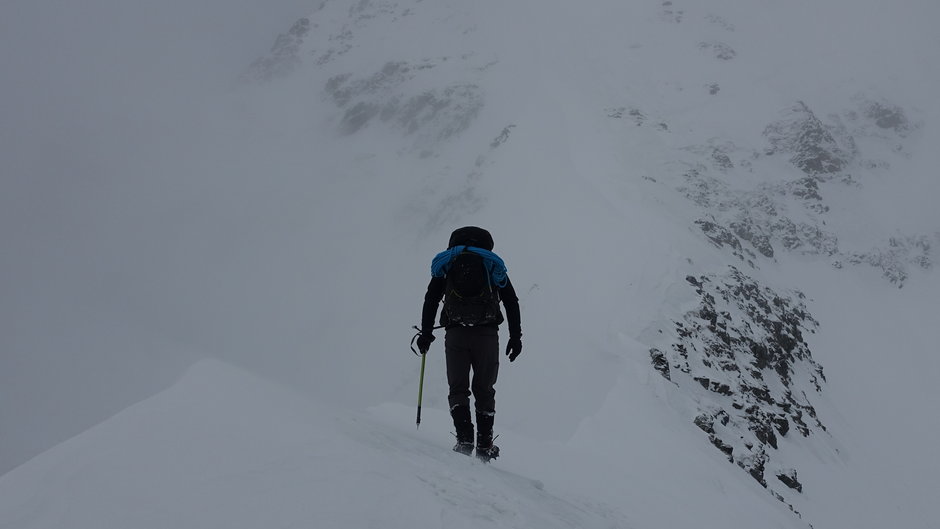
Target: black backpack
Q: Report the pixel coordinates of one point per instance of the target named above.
(470, 297)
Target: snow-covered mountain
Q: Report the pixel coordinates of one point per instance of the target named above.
(719, 219)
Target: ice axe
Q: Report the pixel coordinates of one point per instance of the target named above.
(424, 356)
(420, 390)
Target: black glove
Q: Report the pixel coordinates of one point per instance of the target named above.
(514, 347)
(424, 342)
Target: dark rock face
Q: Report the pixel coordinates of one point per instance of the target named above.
(431, 115)
(810, 144)
(721, 237)
(804, 237)
(807, 189)
(721, 160)
(448, 111)
(660, 363)
(720, 22)
(503, 136)
(893, 260)
(887, 116)
(788, 478)
(743, 348)
(752, 223)
(748, 231)
(284, 57)
(790, 214)
(343, 89)
(670, 13)
(719, 49)
(754, 463)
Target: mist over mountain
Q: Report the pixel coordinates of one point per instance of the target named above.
(104, 115)
(719, 218)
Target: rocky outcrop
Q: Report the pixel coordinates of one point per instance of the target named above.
(755, 223)
(788, 478)
(430, 115)
(720, 50)
(897, 256)
(636, 116)
(670, 13)
(742, 353)
(886, 116)
(809, 143)
(724, 237)
(790, 214)
(284, 57)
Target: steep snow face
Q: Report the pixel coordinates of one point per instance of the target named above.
(765, 183)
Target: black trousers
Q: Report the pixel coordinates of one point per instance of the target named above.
(476, 349)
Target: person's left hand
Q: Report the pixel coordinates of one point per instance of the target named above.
(513, 348)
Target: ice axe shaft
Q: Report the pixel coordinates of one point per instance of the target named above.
(420, 390)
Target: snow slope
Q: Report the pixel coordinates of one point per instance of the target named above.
(223, 448)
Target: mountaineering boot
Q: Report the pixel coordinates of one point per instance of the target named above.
(461, 416)
(486, 450)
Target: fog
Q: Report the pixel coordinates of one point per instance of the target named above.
(106, 168)
(148, 219)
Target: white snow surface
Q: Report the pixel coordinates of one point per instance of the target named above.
(269, 245)
(223, 448)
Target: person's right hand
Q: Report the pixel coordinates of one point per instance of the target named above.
(424, 342)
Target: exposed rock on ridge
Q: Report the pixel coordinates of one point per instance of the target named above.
(284, 57)
(758, 222)
(435, 114)
(810, 144)
(744, 347)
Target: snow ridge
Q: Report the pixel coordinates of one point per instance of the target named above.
(224, 448)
